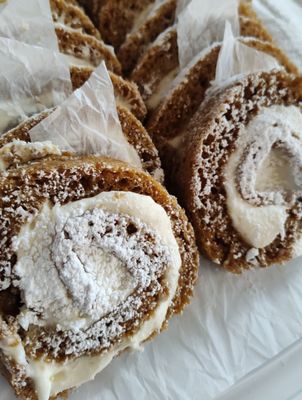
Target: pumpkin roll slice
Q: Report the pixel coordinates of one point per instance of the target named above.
(74, 2)
(117, 18)
(85, 50)
(89, 122)
(168, 121)
(159, 66)
(13, 150)
(137, 41)
(116, 254)
(70, 16)
(253, 27)
(126, 92)
(92, 8)
(240, 175)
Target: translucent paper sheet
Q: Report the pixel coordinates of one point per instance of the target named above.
(201, 23)
(32, 79)
(234, 325)
(236, 59)
(28, 21)
(87, 122)
(33, 75)
(181, 4)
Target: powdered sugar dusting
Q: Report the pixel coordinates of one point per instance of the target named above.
(222, 117)
(275, 129)
(74, 267)
(74, 180)
(73, 303)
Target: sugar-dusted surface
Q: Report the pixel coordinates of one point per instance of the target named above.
(235, 324)
(217, 127)
(70, 179)
(70, 16)
(90, 306)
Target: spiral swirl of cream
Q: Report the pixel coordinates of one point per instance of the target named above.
(274, 148)
(102, 257)
(263, 175)
(79, 262)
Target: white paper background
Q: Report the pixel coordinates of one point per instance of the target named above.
(234, 325)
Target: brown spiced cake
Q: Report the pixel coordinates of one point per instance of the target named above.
(133, 130)
(253, 27)
(79, 39)
(86, 50)
(138, 40)
(95, 255)
(168, 121)
(74, 2)
(71, 16)
(92, 8)
(57, 212)
(116, 18)
(239, 175)
(159, 65)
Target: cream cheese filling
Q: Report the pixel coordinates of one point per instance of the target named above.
(142, 17)
(123, 102)
(161, 90)
(260, 225)
(21, 151)
(78, 62)
(53, 377)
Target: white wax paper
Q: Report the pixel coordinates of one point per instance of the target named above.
(234, 325)
(236, 59)
(87, 122)
(32, 79)
(201, 23)
(29, 21)
(180, 6)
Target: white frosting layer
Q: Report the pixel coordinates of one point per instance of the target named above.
(52, 377)
(13, 348)
(161, 90)
(36, 267)
(260, 225)
(275, 173)
(24, 152)
(78, 62)
(141, 18)
(95, 290)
